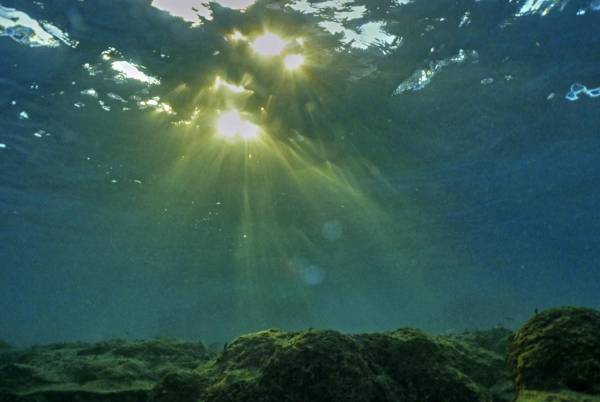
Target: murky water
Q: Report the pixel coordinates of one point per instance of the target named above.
(203, 170)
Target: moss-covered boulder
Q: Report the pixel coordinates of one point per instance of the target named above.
(558, 349)
(404, 365)
(319, 365)
(481, 355)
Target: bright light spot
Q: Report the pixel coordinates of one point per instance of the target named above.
(156, 104)
(269, 44)
(193, 10)
(236, 4)
(188, 10)
(132, 71)
(236, 36)
(90, 92)
(164, 108)
(23, 29)
(236, 89)
(231, 125)
(293, 61)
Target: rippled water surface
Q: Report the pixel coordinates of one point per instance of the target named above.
(192, 169)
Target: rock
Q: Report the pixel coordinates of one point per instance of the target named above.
(178, 386)
(114, 370)
(560, 396)
(482, 356)
(404, 365)
(558, 349)
(318, 365)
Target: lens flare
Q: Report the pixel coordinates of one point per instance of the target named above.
(293, 61)
(231, 126)
(269, 44)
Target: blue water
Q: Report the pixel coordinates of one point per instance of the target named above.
(438, 173)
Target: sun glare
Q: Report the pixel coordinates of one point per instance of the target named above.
(236, 89)
(132, 71)
(269, 44)
(231, 125)
(293, 61)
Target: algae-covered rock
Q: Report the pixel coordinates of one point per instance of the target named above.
(319, 365)
(481, 355)
(554, 357)
(268, 366)
(273, 366)
(106, 371)
(558, 396)
(421, 368)
(178, 386)
(558, 349)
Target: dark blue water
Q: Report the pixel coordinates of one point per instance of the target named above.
(371, 200)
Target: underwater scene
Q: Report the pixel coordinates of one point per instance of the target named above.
(296, 201)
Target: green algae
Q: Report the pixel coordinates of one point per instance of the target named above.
(553, 357)
(561, 396)
(113, 370)
(558, 349)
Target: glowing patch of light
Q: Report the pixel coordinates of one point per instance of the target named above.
(193, 10)
(23, 29)
(188, 10)
(236, 89)
(269, 44)
(236, 36)
(371, 33)
(132, 71)
(155, 104)
(293, 61)
(236, 4)
(541, 7)
(336, 13)
(352, 13)
(231, 125)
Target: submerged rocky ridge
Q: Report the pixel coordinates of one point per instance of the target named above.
(555, 356)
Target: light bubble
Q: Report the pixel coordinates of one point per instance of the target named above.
(332, 230)
(313, 275)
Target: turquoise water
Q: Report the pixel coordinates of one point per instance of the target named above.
(201, 171)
